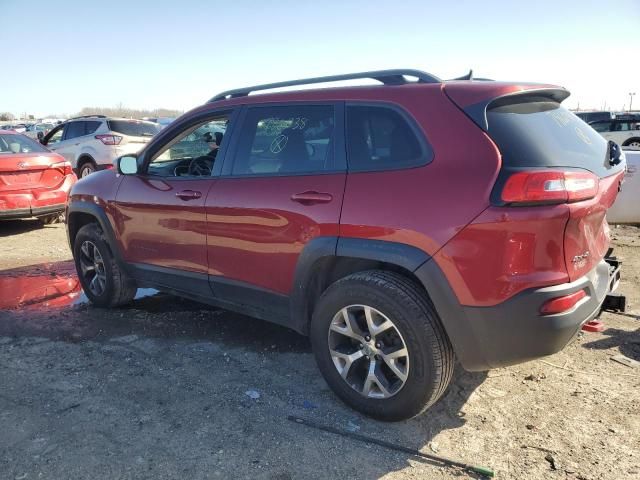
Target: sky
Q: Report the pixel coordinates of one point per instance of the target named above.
(62, 56)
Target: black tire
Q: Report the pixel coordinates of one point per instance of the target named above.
(406, 304)
(86, 167)
(119, 288)
(632, 141)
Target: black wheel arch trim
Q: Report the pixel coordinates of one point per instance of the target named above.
(98, 213)
(405, 256)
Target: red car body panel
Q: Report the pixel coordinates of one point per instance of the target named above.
(437, 200)
(28, 182)
(156, 227)
(41, 289)
(587, 232)
(254, 221)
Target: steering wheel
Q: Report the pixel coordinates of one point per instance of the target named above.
(200, 167)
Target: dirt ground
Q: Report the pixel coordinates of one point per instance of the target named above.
(159, 390)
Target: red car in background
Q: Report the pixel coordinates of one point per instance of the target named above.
(34, 182)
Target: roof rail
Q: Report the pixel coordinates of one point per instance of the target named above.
(86, 116)
(387, 77)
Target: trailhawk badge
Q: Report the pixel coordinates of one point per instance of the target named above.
(580, 261)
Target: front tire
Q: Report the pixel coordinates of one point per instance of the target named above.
(380, 345)
(104, 283)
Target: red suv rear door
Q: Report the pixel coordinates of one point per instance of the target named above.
(282, 186)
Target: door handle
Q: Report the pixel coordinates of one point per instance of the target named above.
(311, 197)
(188, 195)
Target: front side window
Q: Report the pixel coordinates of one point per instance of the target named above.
(380, 138)
(286, 140)
(193, 152)
(74, 130)
(18, 144)
(56, 136)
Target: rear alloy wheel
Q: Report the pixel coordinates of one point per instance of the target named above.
(368, 351)
(380, 345)
(87, 168)
(635, 143)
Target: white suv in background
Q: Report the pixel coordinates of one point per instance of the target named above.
(93, 142)
(624, 130)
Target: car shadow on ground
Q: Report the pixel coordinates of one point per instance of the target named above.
(172, 321)
(14, 227)
(627, 342)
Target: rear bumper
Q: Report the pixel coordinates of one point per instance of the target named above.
(31, 212)
(35, 202)
(514, 331)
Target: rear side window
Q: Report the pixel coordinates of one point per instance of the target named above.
(91, 127)
(542, 133)
(286, 140)
(380, 138)
(133, 128)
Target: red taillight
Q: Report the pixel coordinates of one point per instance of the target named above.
(549, 186)
(562, 304)
(109, 139)
(64, 167)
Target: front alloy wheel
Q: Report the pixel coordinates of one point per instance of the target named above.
(92, 267)
(368, 351)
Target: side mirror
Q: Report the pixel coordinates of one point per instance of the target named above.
(40, 136)
(127, 165)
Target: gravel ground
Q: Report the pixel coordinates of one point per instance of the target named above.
(163, 389)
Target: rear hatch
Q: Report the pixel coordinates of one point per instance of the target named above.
(135, 134)
(30, 171)
(550, 157)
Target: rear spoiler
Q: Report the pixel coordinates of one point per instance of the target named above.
(478, 111)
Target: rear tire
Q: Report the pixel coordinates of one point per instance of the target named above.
(104, 283)
(87, 168)
(396, 312)
(632, 142)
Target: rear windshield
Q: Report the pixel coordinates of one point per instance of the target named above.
(18, 144)
(542, 133)
(133, 128)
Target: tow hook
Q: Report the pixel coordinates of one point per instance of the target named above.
(614, 302)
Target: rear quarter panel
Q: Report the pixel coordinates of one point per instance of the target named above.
(426, 206)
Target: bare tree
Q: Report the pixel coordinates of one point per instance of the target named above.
(121, 111)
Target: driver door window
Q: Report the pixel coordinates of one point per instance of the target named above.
(56, 137)
(193, 152)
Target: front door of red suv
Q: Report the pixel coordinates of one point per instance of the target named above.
(161, 217)
(282, 186)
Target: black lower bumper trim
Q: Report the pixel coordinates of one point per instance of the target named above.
(514, 331)
(30, 212)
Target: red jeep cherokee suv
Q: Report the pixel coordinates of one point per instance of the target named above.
(401, 226)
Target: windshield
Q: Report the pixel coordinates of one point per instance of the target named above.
(134, 128)
(18, 144)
